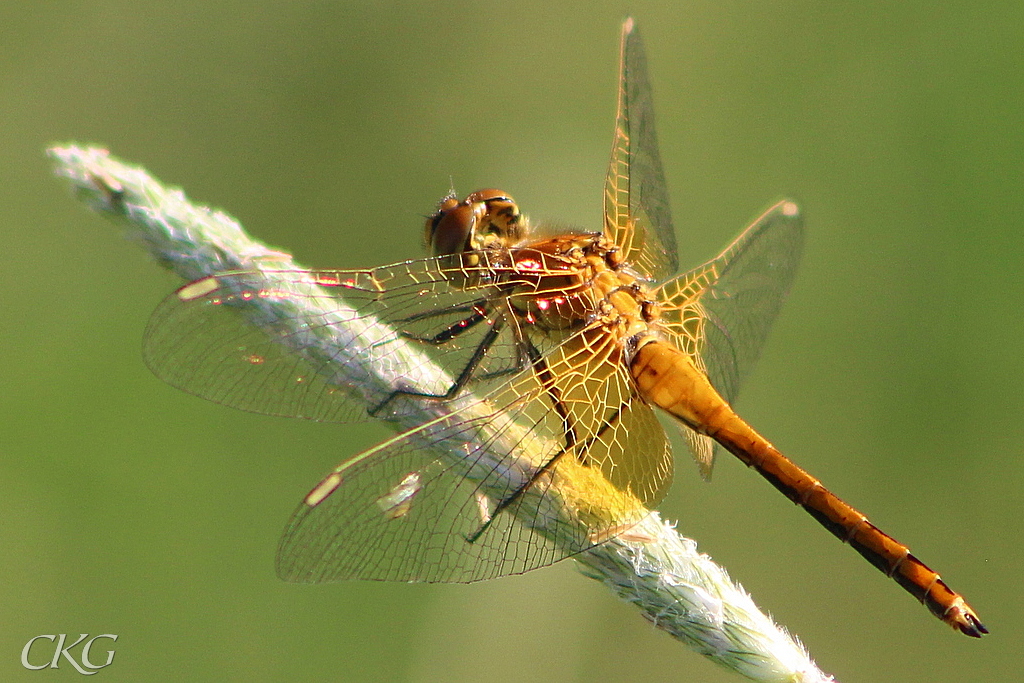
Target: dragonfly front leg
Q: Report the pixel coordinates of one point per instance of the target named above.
(478, 314)
(467, 372)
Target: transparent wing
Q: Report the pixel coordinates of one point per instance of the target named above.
(637, 215)
(720, 313)
(526, 476)
(297, 343)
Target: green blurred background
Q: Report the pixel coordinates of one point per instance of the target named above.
(894, 373)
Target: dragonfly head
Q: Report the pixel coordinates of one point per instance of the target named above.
(483, 220)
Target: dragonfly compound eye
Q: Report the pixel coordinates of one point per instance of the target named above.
(450, 229)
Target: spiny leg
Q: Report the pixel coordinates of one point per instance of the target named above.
(547, 380)
(504, 503)
(464, 375)
(477, 314)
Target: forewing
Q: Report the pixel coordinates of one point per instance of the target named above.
(638, 217)
(720, 313)
(326, 344)
(407, 509)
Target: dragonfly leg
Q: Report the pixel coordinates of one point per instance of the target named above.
(504, 503)
(547, 380)
(478, 314)
(464, 375)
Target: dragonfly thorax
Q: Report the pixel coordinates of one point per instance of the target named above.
(576, 281)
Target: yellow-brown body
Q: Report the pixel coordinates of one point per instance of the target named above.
(578, 290)
(667, 378)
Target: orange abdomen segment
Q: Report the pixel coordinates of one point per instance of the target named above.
(668, 378)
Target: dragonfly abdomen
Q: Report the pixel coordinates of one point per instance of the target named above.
(853, 527)
(667, 377)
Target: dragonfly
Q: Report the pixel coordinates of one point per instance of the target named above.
(539, 358)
